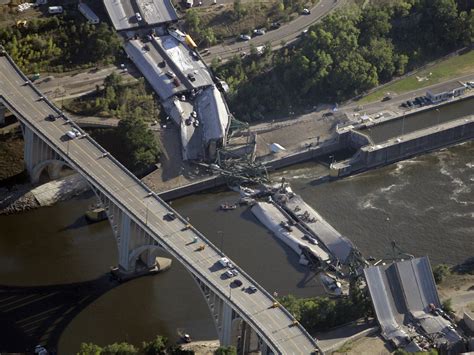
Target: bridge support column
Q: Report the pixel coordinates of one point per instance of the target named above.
(136, 249)
(225, 334)
(2, 115)
(39, 156)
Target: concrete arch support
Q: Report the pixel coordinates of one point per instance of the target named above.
(38, 156)
(133, 243)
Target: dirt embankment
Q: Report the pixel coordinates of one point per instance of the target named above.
(11, 157)
(14, 194)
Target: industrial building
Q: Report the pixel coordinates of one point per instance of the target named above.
(445, 93)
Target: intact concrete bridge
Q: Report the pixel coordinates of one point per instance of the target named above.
(137, 215)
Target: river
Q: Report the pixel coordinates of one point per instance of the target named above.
(425, 204)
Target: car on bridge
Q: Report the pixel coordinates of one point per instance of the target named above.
(251, 289)
(236, 283)
(170, 216)
(51, 117)
(74, 133)
(224, 262)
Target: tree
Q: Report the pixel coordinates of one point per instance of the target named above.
(239, 11)
(226, 350)
(89, 349)
(447, 306)
(119, 349)
(137, 139)
(440, 272)
(156, 346)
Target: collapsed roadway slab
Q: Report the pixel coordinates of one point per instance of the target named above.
(187, 92)
(123, 13)
(407, 305)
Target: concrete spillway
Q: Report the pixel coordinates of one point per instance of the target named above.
(271, 217)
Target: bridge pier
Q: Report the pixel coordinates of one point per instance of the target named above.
(2, 115)
(39, 156)
(136, 249)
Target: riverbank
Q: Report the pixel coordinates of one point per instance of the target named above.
(202, 347)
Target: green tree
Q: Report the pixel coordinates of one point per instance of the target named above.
(239, 10)
(119, 349)
(440, 272)
(156, 346)
(447, 306)
(89, 349)
(226, 350)
(137, 139)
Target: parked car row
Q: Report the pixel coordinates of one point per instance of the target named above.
(417, 102)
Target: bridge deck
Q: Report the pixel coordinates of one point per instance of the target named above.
(120, 186)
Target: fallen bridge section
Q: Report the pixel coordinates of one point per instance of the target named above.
(407, 305)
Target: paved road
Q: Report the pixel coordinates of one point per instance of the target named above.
(287, 33)
(394, 104)
(131, 195)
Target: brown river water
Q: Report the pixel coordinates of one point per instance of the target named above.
(425, 204)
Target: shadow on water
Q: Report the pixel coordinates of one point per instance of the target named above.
(39, 314)
(80, 222)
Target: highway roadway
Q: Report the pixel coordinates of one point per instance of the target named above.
(129, 194)
(287, 33)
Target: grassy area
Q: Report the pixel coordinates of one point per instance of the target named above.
(445, 70)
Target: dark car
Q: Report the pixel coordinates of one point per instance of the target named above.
(410, 103)
(275, 25)
(386, 98)
(170, 216)
(251, 289)
(51, 117)
(191, 77)
(237, 283)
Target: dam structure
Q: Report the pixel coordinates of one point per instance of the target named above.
(384, 141)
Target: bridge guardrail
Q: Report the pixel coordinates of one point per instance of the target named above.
(137, 220)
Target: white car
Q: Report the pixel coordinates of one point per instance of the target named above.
(229, 274)
(71, 134)
(245, 37)
(224, 261)
(77, 132)
(306, 11)
(138, 16)
(259, 31)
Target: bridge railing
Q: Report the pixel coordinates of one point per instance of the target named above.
(138, 220)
